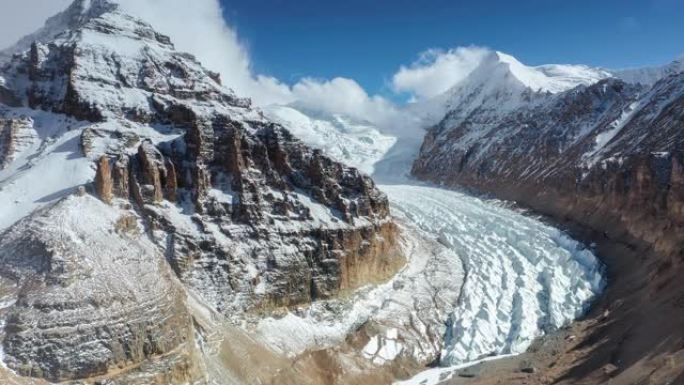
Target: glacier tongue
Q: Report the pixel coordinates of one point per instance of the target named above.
(523, 278)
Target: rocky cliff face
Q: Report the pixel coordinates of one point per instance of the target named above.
(273, 223)
(70, 312)
(197, 193)
(16, 133)
(612, 149)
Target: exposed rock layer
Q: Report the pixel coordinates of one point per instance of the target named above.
(76, 313)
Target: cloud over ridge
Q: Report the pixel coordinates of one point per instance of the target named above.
(437, 70)
(202, 30)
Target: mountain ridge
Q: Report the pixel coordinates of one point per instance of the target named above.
(104, 124)
(606, 158)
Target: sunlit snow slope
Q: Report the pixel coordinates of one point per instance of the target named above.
(523, 278)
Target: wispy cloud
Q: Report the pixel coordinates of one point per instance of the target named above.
(437, 70)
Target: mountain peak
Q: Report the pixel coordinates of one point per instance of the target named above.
(117, 65)
(553, 78)
(90, 7)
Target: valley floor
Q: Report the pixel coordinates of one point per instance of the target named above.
(493, 281)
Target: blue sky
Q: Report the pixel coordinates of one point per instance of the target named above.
(368, 40)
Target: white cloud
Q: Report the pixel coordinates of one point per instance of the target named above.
(436, 71)
(339, 95)
(21, 17)
(219, 48)
(201, 30)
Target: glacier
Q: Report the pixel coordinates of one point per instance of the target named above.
(509, 276)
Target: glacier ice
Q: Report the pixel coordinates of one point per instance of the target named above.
(518, 277)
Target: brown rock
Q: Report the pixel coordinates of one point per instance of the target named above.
(103, 180)
(152, 169)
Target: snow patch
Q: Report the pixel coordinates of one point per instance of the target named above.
(50, 168)
(604, 138)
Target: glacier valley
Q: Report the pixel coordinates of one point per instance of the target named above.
(494, 279)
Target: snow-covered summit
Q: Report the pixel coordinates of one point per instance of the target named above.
(95, 60)
(500, 83)
(553, 78)
(352, 142)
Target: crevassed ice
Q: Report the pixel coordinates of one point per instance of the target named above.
(523, 277)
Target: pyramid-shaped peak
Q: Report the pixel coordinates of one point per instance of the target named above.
(503, 68)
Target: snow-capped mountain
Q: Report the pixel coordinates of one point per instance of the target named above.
(503, 128)
(347, 140)
(131, 177)
(500, 84)
(608, 156)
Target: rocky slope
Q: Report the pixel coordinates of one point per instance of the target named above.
(70, 313)
(198, 193)
(607, 156)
